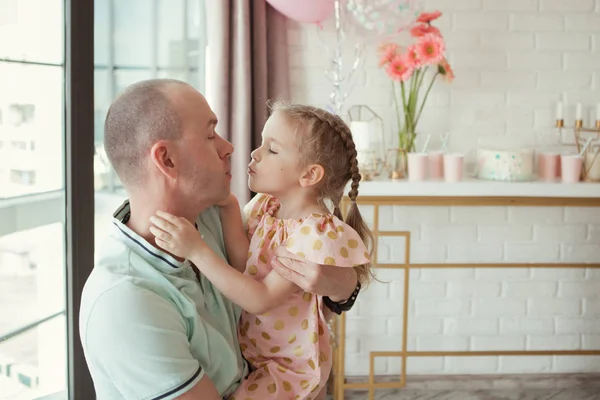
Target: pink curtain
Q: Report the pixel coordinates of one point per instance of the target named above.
(247, 64)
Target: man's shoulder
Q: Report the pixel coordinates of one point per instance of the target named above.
(115, 284)
(119, 303)
(109, 292)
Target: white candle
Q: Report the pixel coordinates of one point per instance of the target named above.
(578, 111)
(598, 111)
(559, 110)
(360, 134)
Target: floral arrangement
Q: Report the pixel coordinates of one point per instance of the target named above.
(407, 68)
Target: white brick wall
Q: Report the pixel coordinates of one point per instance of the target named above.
(483, 308)
(513, 60)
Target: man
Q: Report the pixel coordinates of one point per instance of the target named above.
(151, 326)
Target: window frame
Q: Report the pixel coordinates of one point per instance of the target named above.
(79, 181)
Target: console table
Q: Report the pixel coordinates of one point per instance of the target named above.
(467, 193)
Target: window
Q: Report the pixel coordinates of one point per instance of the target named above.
(33, 342)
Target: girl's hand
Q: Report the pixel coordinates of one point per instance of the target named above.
(176, 235)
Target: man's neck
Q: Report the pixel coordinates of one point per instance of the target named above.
(140, 213)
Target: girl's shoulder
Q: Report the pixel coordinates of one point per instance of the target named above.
(325, 239)
(256, 208)
(259, 205)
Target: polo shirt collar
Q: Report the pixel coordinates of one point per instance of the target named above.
(139, 245)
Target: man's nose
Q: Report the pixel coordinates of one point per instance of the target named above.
(226, 148)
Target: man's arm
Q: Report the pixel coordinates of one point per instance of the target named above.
(338, 284)
(203, 390)
(138, 341)
(234, 233)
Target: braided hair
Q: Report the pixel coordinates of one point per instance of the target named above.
(325, 139)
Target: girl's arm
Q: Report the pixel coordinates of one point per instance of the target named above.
(234, 233)
(179, 237)
(256, 297)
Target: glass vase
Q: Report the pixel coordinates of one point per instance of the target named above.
(397, 163)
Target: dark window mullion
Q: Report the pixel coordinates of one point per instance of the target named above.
(79, 185)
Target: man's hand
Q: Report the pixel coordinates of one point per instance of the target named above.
(323, 280)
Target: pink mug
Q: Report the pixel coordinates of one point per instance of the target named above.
(453, 167)
(417, 166)
(570, 165)
(436, 165)
(548, 166)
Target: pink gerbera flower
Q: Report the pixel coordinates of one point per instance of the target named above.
(428, 17)
(446, 70)
(387, 53)
(430, 49)
(400, 68)
(422, 29)
(411, 53)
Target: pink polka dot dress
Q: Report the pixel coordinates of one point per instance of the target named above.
(289, 348)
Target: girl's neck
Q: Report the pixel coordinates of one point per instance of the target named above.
(297, 206)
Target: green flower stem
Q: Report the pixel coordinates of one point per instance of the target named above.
(425, 98)
(410, 104)
(397, 106)
(406, 119)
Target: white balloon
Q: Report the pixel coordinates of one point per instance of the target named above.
(376, 19)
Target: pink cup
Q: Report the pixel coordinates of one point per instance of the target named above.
(570, 165)
(417, 166)
(453, 167)
(548, 164)
(436, 165)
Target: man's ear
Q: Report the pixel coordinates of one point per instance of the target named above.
(312, 175)
(162, 155)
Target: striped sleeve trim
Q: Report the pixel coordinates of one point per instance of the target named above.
(178, 388)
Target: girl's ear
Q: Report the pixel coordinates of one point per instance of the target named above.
(312, 175)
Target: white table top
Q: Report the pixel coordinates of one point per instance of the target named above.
(479, 188)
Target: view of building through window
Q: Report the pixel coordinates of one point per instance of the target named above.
(134, 40)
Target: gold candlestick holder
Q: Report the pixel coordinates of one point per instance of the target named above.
(590, 170)
(580, 133)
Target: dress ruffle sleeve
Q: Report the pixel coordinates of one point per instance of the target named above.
(325, 239)
(256, 209)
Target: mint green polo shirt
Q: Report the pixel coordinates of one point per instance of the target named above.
(150, 328)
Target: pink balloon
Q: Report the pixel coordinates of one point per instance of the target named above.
(304, 10)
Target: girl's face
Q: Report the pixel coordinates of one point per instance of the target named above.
(274, 168)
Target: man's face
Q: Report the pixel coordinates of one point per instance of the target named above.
(274, 168)
(204, 170)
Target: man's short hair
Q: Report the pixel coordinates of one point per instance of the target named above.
(138, 118)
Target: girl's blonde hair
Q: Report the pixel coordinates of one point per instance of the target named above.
(326, 140)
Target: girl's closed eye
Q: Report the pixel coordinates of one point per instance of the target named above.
(271, 151)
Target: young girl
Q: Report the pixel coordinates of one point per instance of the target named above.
(307, 157)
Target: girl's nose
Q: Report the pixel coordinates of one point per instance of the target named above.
(255, 155)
